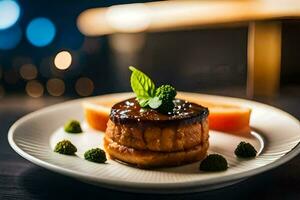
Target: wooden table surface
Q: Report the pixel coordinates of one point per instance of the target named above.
(20, 179)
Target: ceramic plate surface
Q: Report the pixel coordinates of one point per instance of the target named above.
(275, 134)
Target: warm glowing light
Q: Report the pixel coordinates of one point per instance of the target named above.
(28, 71)
(129, 18)
(84, 86)
(180, 14)
(34, 89)
(55, 87)
(9, 13)
(63, 60)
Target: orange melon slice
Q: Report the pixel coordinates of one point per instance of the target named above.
(97, 114)
(222, 117)
(229, 119)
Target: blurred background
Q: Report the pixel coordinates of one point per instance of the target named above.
(55, 50)
(44, 55)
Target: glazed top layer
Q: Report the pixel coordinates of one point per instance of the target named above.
(129, 111)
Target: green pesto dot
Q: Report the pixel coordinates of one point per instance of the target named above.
(73, 126)
(65, 147)
(245, 150)
(214, 163)
(95, 155)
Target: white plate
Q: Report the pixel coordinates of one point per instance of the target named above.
(275, 134)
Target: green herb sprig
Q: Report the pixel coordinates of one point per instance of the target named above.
(147, 94)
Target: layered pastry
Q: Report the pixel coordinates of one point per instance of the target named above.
(147, 138)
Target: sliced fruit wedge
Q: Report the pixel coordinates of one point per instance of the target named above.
(222, 117)
(97, 114)
(229, 119)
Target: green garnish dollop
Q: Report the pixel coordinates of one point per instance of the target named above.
(214, 163)
(148, 95)
(245, 150)
(73, 126)
(95, 155)
(65, 147)
(166, 93)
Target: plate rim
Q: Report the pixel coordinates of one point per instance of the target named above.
(130, 185)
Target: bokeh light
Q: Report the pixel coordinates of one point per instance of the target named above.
(55, 87)
(129, 18)
(63, 60)
(40, 32)
(9, 13)
(10, 38)
(28, 71)
(34, 89)
(84, 86)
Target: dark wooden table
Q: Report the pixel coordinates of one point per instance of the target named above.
(20, 179)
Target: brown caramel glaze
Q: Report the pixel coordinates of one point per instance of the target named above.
(129, 111)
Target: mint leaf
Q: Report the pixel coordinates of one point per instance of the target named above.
(154, 102)
(142, 86)
(143, 102)
(148, 96)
